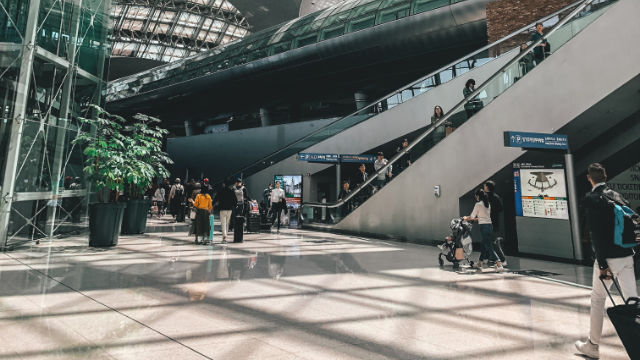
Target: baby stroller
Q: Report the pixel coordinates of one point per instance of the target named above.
(460, 239)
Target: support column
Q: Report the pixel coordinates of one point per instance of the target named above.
(265, 117)
(338, 179)
(20, 114)
(360, 99)
(188, 129)
(573, 207)
(63, 121)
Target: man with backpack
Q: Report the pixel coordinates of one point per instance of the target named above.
(176, 200)
(612, 259)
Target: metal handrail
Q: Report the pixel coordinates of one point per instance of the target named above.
(453, 111)
(395, 92)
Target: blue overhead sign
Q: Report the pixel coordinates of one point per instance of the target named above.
(357, 158)
(536, 140)
(318, 158)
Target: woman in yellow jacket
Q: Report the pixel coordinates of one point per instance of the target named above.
(204, 207)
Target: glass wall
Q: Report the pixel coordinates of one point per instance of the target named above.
(42, 92)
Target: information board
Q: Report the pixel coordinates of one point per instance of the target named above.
(540, 191)
(347, 158)
(318, 158)
(536, 140)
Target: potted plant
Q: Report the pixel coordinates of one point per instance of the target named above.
(106, 155)
(145, 161)
(120, 158)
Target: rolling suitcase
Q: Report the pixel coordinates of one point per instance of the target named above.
(238, 229)
(626, 320)
(253, 223)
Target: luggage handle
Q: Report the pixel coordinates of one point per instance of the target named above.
(615, 282)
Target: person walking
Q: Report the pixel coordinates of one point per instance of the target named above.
(226, 201)
(158, 200)
(166, 186)
(495, 201)
(207, 187)
(176, 200)
(482, 214)
(473, 105)
(204, 207)
(612, 261)
(266, 194)
(276, 198)
(380, 162)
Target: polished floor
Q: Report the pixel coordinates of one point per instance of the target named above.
(294, 295)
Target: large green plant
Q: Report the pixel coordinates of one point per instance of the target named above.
(144, 149)
(121, 156)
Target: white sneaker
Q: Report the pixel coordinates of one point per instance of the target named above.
(588, 348)
(499, 268)
(504, 263)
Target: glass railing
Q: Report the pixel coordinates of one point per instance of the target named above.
(405, 93)
(529, 57)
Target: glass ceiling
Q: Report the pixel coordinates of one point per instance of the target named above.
(171, 30)
(343, 18)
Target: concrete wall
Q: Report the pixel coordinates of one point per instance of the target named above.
(217, 155)
(398, 121)
(556, 92)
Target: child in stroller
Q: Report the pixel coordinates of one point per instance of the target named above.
(459, 242)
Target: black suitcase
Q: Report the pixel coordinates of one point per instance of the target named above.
(626, 320)
(238, 229)
(253, 223)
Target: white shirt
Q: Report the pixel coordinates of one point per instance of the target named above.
(277, 195)
(377, 165)
(482, 213)
(598, 184)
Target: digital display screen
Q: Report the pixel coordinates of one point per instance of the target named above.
(292, 186)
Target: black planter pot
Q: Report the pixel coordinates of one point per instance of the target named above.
(135, 216)
(105, 221)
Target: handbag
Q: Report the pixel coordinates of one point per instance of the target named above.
(192, 214)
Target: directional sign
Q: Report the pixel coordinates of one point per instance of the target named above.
(318, 158)
(357, 158)
(536, 140)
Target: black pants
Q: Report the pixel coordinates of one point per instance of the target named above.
(276, 210)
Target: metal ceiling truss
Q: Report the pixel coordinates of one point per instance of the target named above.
(168, 30)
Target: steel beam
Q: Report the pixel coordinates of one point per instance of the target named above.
(20, 114)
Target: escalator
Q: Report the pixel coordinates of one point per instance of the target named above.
(391, 116)
(588, 93)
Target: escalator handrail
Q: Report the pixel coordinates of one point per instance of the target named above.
(395, 92)
(453, 111)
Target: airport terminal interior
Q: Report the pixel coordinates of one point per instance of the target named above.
(319, 179)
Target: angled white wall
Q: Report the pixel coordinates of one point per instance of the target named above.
(556, 92)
